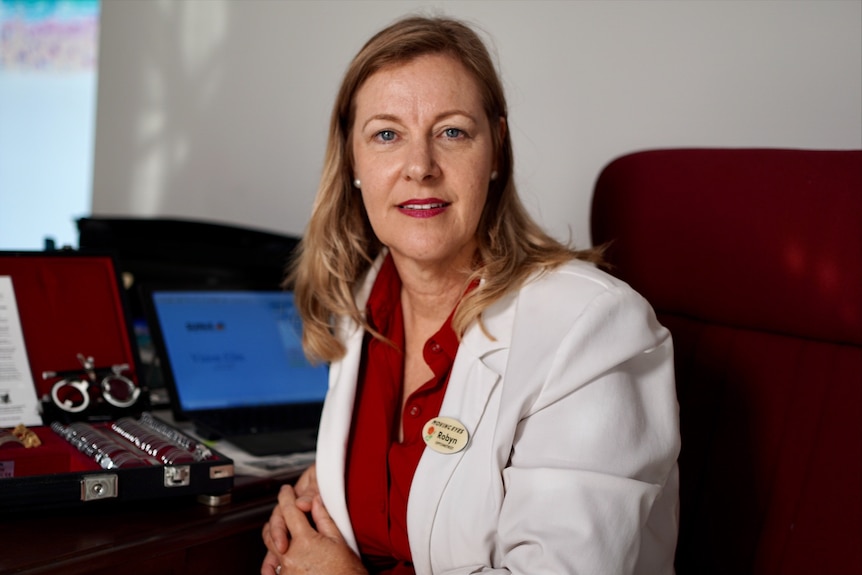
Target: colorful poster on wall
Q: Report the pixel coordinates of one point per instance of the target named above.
(49, 36)
(48, 70)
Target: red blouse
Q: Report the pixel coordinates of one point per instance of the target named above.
(380, 468)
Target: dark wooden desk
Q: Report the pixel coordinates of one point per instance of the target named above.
(165, 537)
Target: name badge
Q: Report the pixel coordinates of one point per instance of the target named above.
(445, 435)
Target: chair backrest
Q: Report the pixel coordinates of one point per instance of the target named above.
(753, 259)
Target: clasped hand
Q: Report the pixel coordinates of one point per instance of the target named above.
(302, 538)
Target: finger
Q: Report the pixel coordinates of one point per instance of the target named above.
(308, 477)
(306, 488)
(269, 565)
(303, 500)
(276, 529)
(286, 496)
(294, 518)
(277, 548)
(323, 521)
(307, 481)
(304, 503)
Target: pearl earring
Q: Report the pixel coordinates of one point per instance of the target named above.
(357, 183)
(494, 175)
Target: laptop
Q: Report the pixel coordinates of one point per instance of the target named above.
(233, 365)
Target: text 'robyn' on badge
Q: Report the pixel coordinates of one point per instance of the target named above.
(445, 435)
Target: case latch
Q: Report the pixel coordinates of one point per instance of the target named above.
(221, 471)
(95, 487)
(177, 475)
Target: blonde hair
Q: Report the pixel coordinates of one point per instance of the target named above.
(339, 245)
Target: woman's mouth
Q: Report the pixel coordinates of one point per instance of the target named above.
(426, 208)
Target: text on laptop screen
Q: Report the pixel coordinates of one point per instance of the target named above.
(234, 349)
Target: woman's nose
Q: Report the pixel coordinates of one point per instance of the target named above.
(420, 164)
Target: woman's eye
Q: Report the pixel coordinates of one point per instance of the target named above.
(386, 135)
(453, 133)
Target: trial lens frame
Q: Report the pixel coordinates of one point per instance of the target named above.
(75, 385)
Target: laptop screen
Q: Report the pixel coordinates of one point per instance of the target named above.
(227, 349)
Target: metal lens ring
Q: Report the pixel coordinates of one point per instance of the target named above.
(176, 455)
(74, 399)
(103, 448)
(119, 390)
(7, 438)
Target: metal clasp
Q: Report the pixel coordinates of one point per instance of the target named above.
(95, 487)
(177, 475)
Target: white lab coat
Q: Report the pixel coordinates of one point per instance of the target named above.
(573, 421)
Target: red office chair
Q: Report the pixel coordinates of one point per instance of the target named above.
(753, 259)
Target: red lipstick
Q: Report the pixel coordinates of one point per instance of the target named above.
(423, 208)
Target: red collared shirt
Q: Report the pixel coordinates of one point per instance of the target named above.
(380, 468)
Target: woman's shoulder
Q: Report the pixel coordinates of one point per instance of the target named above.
(574, 289)
(576, 278)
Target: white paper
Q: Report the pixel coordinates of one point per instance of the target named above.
(18, 401)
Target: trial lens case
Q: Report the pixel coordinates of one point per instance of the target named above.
(72, 308)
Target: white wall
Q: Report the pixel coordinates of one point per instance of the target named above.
(218, 109)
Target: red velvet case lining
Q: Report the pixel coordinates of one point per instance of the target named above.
(68, 304)
(55, 455)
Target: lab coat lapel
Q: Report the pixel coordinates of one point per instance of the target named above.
(477, 370)
(337, 416)
(334, 432)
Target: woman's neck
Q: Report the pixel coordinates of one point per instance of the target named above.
(430, 293)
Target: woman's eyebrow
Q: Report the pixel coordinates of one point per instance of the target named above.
(440, 116)
(456, 112)
(383, 117)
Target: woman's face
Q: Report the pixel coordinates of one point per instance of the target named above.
(424, 154)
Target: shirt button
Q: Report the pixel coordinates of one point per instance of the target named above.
(415, 410)
(435, 347)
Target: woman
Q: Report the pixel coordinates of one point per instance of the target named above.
(496, 403)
